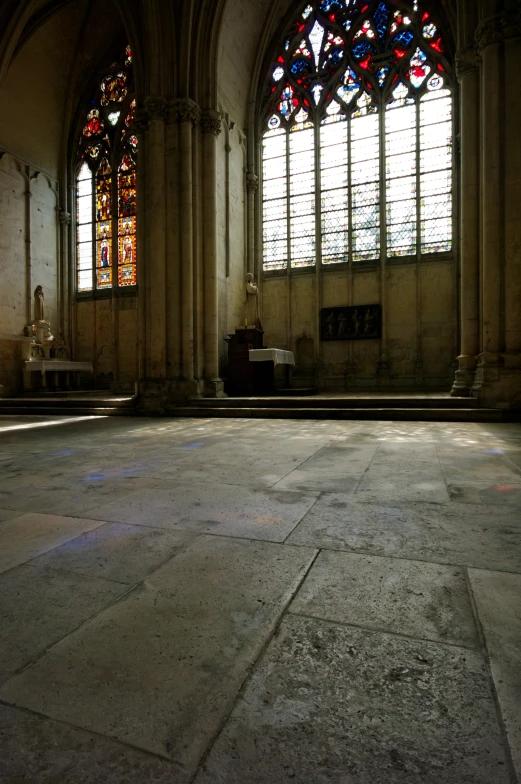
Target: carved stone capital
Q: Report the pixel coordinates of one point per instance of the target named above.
(64, 217)
(156, 108)
(185, 110)
(252, 182)
(466, 61)
(211, 122)
(498, 28)
(141, 119)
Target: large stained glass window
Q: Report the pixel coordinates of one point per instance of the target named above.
(357, 137)
(106, 184)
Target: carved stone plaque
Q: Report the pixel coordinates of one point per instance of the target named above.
(360, 322)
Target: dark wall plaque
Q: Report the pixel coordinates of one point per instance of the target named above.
(360, 322)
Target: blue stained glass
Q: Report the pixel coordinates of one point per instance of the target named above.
(327, 5)
(335, 57)
(381, 18)
(361, 49)
(299, 66)
(405, 38)
(382, 74)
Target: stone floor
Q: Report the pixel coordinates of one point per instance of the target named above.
(257, 602)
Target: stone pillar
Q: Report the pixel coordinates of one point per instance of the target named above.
(152, 388)
(187, 115)
(155, 195)
(252, 186)
(468, 76)
(512, 184)
(65, 219)
(211, 128)
(498, 374)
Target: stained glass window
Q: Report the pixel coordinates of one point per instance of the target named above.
(357, 136)
(106, 184)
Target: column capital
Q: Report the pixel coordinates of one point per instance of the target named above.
(252, 182)
(498, 28)
(467, 60)
(211, 122)
(184, 110)
(64, 217)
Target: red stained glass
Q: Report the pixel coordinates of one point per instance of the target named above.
(95, 126)
(127, 222)
(129, 119)
(114, 88)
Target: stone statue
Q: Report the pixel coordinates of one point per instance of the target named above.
(39, 309)
(252, 301)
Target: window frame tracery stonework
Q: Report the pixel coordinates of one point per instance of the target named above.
(343, 28)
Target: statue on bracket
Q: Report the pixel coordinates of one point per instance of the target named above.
(252, 303)
(39, 304)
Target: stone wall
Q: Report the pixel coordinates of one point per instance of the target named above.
(418, 342)
(29, 232)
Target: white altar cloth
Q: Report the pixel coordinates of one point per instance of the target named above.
(52, 365)
(276, 355)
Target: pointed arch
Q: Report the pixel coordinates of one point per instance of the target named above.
(106, 188)
(356, 117)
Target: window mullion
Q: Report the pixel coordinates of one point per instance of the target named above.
(418, 182)
(288, 207)
(383, 184)
(349, 192)
(93, 232)
(318, 195)
(115, 226)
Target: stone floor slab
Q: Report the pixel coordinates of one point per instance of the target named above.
(8, 514)
(484, 493)
(335, 704)
(422, 600)
(124, 553)
(228, 510)
(460, 534)
(160, 669)
(36, 750)
(498, 602)
(40, 606)
(319, 481)
(32, 534)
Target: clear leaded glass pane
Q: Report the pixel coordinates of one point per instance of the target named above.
(84, 219)
(302, 196)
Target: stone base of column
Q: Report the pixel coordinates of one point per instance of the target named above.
(498, 380)
(213, 387)
(154, 396)
(465, 376)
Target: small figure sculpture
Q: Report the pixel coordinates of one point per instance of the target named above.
(368, 322)
(39, 309)
(331, 325)
(252, 307)
(342, 324)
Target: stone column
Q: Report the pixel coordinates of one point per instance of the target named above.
(512, 148)
(211, 128)
(155, 195)
(489, 37)
(65, 219)
(187, 112)
(498, 375)
(252, 186)
(468, 76)
(152, 388)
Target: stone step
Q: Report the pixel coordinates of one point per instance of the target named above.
(52, 410)
(344, 402)
(68, 402)
(382, 413)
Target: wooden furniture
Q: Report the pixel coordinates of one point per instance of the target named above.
(243, 377)
(251, 367)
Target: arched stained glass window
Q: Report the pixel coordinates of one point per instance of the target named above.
(106, 185)
(357, 136)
